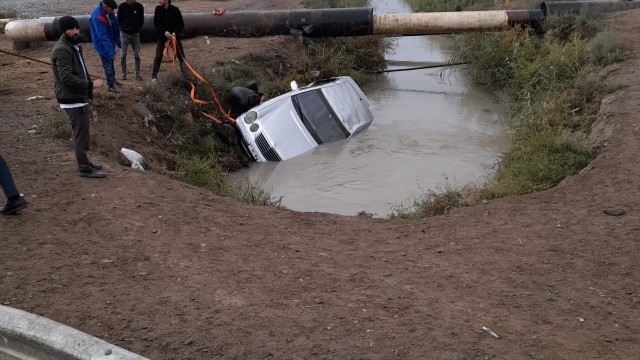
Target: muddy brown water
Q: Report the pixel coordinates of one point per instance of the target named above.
(431, 128)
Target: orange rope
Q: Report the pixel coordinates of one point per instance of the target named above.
(171, 44)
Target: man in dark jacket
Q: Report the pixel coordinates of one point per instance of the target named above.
(243, 98)
(73, 89)
(168, 23)
(130, 20)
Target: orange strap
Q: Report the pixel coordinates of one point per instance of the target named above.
(171, 45)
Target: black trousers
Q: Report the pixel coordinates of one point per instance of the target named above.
(159, 51)
(79, 119)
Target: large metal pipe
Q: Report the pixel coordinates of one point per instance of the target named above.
(555, 7)
(309, 23)
(454, 22)
(312, 23)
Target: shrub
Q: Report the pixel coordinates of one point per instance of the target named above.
(439, 5)
(539, 163)
(607, 47)
(356, 57)
(252, 193)
(429, 204)
(56, 125)
(445, 199)
(203, 172)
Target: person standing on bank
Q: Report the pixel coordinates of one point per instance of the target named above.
(15, 202)
(74, 89)
(130, 20)
(105, 36)
(168, 23)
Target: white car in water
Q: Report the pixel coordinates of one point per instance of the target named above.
(296, 122)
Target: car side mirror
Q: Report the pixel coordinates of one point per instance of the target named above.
(294, 85)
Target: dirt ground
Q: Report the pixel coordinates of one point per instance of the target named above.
(170, 271)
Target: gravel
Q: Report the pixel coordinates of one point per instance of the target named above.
(39, 8)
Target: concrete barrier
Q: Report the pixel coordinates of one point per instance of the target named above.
(26, 336)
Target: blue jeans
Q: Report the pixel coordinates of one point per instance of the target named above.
(125, 40)
(6, 180)
(109, 71)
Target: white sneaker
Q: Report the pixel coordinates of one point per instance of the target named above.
(154, 81)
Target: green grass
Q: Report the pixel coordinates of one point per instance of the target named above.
(429, 204)
(439, 5)
(358, 57)
(253, 193)
(444, 199)
(205, 172)
(539, 163)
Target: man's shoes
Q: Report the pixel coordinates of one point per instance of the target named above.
(123, 77)
(154, 81)
(138, 77)
(113, 89)
(91, 173)
(117, 82)
(13, 206)
(96, 166)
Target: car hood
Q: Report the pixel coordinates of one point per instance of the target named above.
(281, 125)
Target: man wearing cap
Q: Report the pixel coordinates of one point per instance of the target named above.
(130, 20)
(105, 35)
(73, 89)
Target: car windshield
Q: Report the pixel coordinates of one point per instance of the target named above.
(318, 117)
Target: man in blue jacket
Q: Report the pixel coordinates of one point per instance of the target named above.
(105, 35)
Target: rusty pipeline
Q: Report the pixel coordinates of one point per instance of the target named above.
(555, 7)
(308, 23)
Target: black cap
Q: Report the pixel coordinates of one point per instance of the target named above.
(110, 3)
(68, 22)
